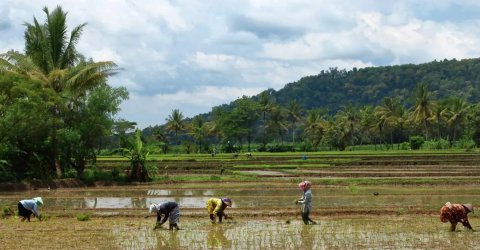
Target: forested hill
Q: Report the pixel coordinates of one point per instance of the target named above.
(335, 88)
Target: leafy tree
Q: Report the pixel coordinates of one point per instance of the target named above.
(89, 119)
(51, 58)
(24, 128)
(239, 123)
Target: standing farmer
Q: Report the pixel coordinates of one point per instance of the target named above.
(171, 211)
(306, 201)
(216, 206)
(455, 213)
(28, 207)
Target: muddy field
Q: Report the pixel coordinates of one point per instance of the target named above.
(339, 232)
(360, 202)
(264, 217)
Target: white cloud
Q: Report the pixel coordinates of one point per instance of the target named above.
(193, 55)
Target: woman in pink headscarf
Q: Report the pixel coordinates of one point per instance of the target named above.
(306, 202)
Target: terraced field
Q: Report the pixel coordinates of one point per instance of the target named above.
(361, 201)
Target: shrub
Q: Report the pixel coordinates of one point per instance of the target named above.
(416, 142)
(280, 148)
(83, 217)
(405, 146)
(437, 144)
(464, 143)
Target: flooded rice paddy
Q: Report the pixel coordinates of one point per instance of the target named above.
(359, 232)
(264, 217)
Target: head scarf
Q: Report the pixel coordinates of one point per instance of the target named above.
(153, 208)
(304, 185)
(227, 201)
(469, 207)
(38, 201)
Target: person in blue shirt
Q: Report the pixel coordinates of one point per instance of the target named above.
(28, 207)
(171, 211)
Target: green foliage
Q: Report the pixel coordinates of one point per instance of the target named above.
(215, 178)
(405, 146)
(135, 151)
(437, 144)
(352, 189)
(416, 142)
(464, 143)
(280, 148)
(83, 217)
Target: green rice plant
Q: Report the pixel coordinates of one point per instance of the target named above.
(215, 178)
(352, 188)
(83, 217)
(7, 211)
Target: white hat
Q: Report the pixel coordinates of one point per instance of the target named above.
(153, 208)
(469, 207)
(38, 201)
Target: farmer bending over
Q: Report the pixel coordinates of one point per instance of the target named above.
(216, 206)
(171, 211)
(306, 201)
(455, 213)
(28, 207)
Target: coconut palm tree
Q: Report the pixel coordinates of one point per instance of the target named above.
(266, 106)
(455, 115)
(51, 57)
(348, 119)
(199, 131)
(386, 116)
(175, 123)
(315, 126)
(424, 108)
(294, 116)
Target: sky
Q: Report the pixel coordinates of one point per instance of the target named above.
(193, 55)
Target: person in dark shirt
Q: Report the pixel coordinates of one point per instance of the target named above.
(171, 211)
(455, 213)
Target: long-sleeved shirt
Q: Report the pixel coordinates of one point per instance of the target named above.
(164, 208)
(31, 205)
(215, 206)
(454, 213)
(306, 199)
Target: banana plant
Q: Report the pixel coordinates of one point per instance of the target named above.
(137, 154)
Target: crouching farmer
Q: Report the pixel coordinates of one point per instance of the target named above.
(216, 207)
(455, 213)
(171, 211)
(28, 207)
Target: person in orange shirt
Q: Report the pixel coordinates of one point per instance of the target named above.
(455, 213)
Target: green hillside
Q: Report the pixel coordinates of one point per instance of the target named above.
(368, 86)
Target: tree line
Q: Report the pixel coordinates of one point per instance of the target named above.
(444, 123)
